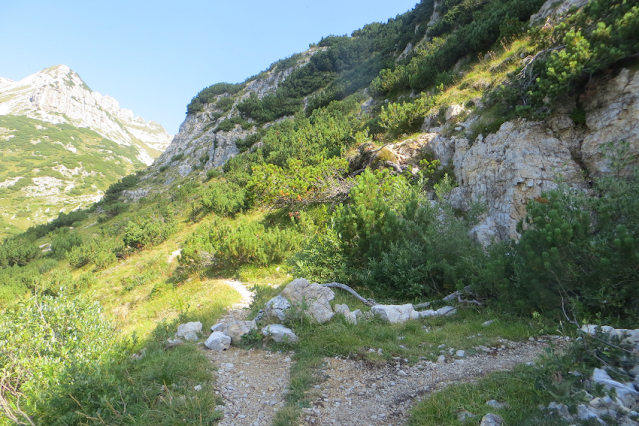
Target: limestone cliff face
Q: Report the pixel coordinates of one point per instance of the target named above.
(510, 167)
(199, 137)
(58, 95)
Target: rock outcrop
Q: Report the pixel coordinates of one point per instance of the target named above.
(506, 169)
(199, 137)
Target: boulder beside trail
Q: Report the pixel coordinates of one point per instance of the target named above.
(313, 297)
(218, 341)
(395, 314)
(351, 317)
(189, 331)
(279, 333)
(275, 309)
(237, 329)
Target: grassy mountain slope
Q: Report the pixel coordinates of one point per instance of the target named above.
(48, 168)
(74, 142)
(321, 196)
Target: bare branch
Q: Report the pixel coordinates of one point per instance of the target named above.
(472, 302)
(530, 60)
(367, 302)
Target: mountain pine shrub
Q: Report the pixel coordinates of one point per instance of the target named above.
(224, 198)
(577, 254)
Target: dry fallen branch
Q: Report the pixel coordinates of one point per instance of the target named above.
(367, 302)
(12, 409)
(530, 60)
(472, 302)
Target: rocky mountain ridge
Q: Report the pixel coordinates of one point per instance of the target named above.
(502, 169)
(62, 145)
(58, 95)
(199, 135)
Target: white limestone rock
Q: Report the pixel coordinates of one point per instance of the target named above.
(189, 331)
(342, 309)
(315, 297)
(221, 327)
(279, 333)
(626, 392)
(454, 111)
(218, 341)
(395, 314)
(237, 329)
(275, 308)
(491, 420)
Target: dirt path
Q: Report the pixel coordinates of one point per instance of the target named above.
(252, 383)
(355, 394)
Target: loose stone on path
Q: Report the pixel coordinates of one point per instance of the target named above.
(252, 384)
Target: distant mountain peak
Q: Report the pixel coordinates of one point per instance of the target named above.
(59, 95)
(4, 82)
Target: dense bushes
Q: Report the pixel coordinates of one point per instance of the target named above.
(210, 94)
(63, 219)
(568, 54)
(63, 241)
(406, 117)
(224, 198)
(232, 246)
(99, 251)
(392, 241)
(297, 184)
(63, 363)
(18, 251)
(143, 232)
(576, 253)
(44, 336)
(114, 190)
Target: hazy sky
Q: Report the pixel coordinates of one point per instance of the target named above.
(154, 56)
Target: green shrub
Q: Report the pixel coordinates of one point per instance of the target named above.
(227, 246)
(577, 254)
(400, 245)
(16, 281)
(114, 190)
(225, 104)
(213, 173)
(63, 219)
(150, 231)
(224, 198)
(99, 251)
(208, 95)
(406, 117)
(18, 251)
(177, 157)
(43, 337)
(67, 365)
(322, 259)
(297, 183)
(63, 241)
(114, 209)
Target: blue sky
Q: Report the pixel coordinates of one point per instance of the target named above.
(154, 56)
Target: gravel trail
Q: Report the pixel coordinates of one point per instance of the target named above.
(253, 383)
(356, 394)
